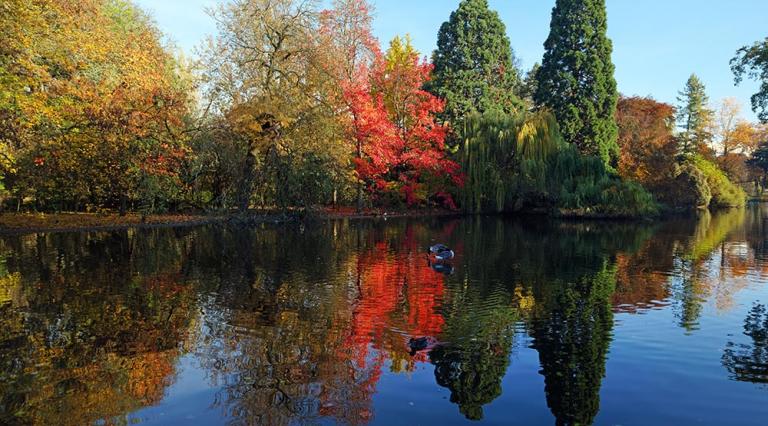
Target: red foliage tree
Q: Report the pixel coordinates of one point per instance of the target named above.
(400, 148)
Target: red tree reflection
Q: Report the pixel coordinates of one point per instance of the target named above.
(399, 297)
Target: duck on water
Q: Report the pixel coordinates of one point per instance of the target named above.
(441, 252)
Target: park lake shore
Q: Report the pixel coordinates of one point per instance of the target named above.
(27, 223)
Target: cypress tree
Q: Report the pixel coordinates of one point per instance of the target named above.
(475, 69)
(693, 118)
(576, 77)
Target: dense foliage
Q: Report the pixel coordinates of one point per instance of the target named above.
(521, 162)
(724, 192)
(401, 148)
(646, 140)
(576, 79)
(475, 70)
(290, 106)
(752, 61)
(92, 106)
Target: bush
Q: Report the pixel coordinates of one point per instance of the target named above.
(686, 188)
(724, 192)
(584, 186)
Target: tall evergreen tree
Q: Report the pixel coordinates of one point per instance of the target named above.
(694, 118)
(576, 77)
(474, 63)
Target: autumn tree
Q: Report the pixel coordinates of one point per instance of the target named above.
(401, 147)
(726, 120)
(350, 50)
(92, 107)
(576, 79)
(265, 84)
(694, 118)
(645, 139)
(475, 67)
(752, 62)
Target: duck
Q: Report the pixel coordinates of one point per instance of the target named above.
(419, 344)
(442, 268)
(441, 252)
(437, 248)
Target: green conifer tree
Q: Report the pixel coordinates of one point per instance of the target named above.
(694, 118)
(475, 70)
(576, 77)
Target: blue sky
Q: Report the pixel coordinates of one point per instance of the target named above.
(657, 43)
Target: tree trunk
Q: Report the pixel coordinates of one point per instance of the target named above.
(123, 204)
(359, 182)
(246, 188)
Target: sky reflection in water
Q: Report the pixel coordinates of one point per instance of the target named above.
(536, 322)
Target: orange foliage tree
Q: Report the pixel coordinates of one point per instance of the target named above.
(646, 140)
(92, 104)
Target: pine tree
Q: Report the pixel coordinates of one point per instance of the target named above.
(694, 118)
(576, 77)
(475, 69)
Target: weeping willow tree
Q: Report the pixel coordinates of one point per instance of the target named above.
(521, 161)
(505, 156)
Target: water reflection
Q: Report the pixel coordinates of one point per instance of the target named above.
(83, 337)
(302, 325)
(748, 362)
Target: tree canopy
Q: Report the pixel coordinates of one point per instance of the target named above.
(752, 61)
(475, 66)
(694, 118)
(576, 79)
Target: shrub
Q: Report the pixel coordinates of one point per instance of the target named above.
(584, 185)
(724, 192)
(685, 188)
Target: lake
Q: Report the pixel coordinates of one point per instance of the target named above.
(347, 322)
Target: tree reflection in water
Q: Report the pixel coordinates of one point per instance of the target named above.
(748, 362)
(73, 352)
(299, 325)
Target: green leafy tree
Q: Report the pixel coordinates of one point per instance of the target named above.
(759, 160)
(694, 118)
(474, 64)
(752, 61)
(576, 77)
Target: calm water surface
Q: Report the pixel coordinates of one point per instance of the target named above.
(534, 323)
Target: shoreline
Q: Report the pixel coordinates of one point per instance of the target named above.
(33, 223)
